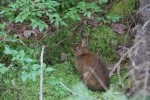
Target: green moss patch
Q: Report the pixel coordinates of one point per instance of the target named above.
(122, 7)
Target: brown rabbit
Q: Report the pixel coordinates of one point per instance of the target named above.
(93, 71)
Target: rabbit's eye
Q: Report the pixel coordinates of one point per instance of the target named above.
(75, 49)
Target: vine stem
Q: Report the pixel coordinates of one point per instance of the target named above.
(41, 74)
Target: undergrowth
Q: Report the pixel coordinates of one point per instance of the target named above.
(63, 73)
(19, 66)
(66, 73)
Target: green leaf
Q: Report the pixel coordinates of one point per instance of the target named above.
(33, 75)
(22, 16)
(113, 18)
(3, 69)
(53, 81)
(24, 76)
(73, 14)
(63, 23)
(38, 23)
(93, 6)
(49, 69)
(29, 60)
(33, 23)
(42, 26)
(39, 13)
(37, 0)
(88, 14)
(56, 23)
(81, 5)
(35, 67)
(21, 53)
(7, 50)
(5, 10)
(25, 66)
(2, 33)
(3, 25)
(14, 52)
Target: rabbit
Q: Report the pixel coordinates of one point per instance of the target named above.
(93, 71)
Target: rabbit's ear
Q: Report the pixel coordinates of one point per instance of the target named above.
(84, 42)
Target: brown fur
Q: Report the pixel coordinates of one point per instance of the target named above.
(86, 62)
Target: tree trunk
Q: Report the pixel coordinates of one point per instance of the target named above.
(140, 57)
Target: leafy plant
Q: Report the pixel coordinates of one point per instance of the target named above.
(18, 59)
(21, 58)
(42, 13)
(87, 9)
(67, 4)
(33, 12)
(113, 18)
(27, 63)
(3, 68)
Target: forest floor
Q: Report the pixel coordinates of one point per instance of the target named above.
(63, 82)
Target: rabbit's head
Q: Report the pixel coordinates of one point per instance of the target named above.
(80, 49)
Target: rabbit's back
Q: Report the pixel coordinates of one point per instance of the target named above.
(93, 71)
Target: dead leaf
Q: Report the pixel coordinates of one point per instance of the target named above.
(118, 28)
(29, 33)
(92, 22)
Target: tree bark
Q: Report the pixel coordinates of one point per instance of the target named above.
(140, 56)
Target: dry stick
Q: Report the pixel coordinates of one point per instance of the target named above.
(24, 45)
(129, 27)
(145, 24)
(127, 74)
(111, 73)
(41, 74)
(75, 94)
(141, 9)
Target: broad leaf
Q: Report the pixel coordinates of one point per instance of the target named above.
(49, 69)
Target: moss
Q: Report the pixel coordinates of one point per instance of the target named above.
(52, 89)
(122, 7)
(55, 45)
(102, 41)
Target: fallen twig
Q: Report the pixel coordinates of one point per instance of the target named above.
(75, 94)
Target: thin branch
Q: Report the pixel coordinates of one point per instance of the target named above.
(111, 73)
(141, 9)
(145, 24)
(99, 79)
(68, 89)
(41, 74)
